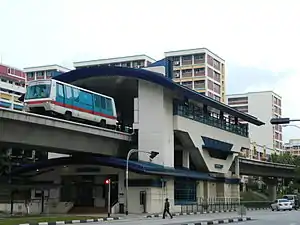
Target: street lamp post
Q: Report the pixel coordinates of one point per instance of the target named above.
(152, 154)
(286, 120)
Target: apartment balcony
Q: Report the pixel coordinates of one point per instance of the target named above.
(12, 87)
(199, 61)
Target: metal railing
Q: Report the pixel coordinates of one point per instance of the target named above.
(211, 204)
(221, 204)
(196, 113)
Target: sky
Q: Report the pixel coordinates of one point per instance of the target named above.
(258, 39)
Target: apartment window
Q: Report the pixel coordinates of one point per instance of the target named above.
(210, 72)
(49, 74)
(237, 100)
(276, 136)
(186, 60)
(216, 97)
(199, 72)
(187, 57)
(176, 61)
(210, 85)
(188, 84)
(242, 108)
(209, 94)
(216, 64)
(217, 76)
(40, 75)
(187, 73)
(199, 58)
(199, 84)
(210, 60)
(217, 88)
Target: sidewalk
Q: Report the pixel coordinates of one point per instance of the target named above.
(198, 213)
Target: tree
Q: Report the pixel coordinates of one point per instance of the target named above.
(287, 158)
(284, 158)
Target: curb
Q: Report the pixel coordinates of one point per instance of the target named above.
(210, 222)
(190, 213)
(198, 213)
(74, 221)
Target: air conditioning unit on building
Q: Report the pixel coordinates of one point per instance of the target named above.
(177, 75)
(176, 63)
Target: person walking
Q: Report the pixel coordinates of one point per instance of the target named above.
(167, 209)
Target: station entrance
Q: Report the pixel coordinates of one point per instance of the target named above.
(88, 191)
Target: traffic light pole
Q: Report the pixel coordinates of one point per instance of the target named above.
(152, 154)
(108, 199)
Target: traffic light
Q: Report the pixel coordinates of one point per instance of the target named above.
(153, 154)
(275, 121)
(107, 181)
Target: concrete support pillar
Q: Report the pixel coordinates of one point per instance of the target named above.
(200, 191)
(237, 166)
(272, 187)
(273, 191)
(185, 159)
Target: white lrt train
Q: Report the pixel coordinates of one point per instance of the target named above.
(71, 102)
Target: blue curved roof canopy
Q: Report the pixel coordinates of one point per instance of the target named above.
(134, 166)
(156, 78)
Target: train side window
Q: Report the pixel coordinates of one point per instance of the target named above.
(97, 101)
(60, 90)
(86, 98)
(103, 103)
(76, 93)
(108, 104)
(68, 92)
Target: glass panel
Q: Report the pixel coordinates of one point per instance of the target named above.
(195, 112)
(38, 91)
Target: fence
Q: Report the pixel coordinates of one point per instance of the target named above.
(221, 204)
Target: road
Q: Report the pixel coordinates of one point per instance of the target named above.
(275, 218)
(259, 218)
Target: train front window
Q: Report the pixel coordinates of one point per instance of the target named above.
(38, 91)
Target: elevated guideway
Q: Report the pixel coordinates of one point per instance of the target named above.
(31, 131)
(254, 167)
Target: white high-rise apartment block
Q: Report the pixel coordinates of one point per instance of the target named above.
(201, 70)
(136, 61)
(264, 105)
(293, 147)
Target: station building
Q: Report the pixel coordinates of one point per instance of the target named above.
(197, 138)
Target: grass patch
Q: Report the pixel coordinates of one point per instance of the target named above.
(30, 219)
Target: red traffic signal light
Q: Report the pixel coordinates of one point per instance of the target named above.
(107, 181)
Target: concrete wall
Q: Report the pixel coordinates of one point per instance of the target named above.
(153, 111)
(196, 129)
(260, 105)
